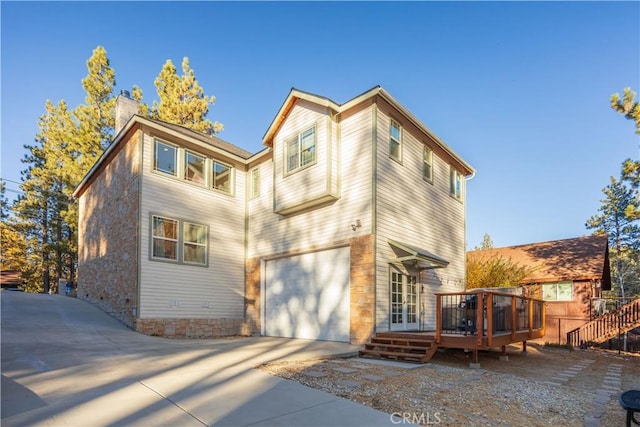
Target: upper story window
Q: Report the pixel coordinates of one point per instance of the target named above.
(192, 167)
(166, 158)
(395, 141)
(427, 164)
(255, 183)
(222, 177)
(301, 150)
(562, 291)
(455, 183)
(194, 170)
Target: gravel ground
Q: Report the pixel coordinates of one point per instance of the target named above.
(545, 387)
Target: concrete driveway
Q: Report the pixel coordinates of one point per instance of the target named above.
(65, 362)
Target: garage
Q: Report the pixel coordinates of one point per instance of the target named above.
(307, 296)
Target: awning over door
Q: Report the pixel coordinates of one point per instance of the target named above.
(416, 257)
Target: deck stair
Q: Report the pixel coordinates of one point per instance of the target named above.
(400, 346)
(608, 326)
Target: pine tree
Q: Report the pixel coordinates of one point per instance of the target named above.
(182, 100)
(623, 233)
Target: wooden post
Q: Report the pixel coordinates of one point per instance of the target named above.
(475, 356)
(489, 318)
(479, 318)
(513, 317)
(530, 318)
(438, 317)
(503, 350)
(524, 346)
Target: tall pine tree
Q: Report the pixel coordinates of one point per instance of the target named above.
(182, 99)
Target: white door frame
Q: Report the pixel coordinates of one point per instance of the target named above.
(404, 297)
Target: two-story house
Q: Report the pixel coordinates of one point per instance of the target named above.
(347, 223)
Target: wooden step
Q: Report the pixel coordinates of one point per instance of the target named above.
(400, 346)
(395, 346)
(422, 358)
(402, 341)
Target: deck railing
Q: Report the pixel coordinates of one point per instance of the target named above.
(607, 326)
(487, 314)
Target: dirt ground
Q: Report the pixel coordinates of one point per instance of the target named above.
(546, 386)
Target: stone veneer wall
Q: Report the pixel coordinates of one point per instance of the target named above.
(108, 235)
(252, 295)
(362, 292)
(362, 307)
(192, 328)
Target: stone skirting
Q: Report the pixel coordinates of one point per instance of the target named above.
(192, 328)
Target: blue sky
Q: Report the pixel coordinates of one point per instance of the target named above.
(519, 90)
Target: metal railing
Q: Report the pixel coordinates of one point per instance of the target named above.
(487, 314)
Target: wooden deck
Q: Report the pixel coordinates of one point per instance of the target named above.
(503, 319)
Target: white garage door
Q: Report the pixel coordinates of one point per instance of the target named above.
(307, 296)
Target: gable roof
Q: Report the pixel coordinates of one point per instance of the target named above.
(581, 258)
(178, 130)
(377, 91)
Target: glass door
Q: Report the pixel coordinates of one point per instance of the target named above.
(404, 302)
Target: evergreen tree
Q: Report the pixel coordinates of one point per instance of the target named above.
(182, 100)
(623, 233)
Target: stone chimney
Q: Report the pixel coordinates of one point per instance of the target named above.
(126, 107)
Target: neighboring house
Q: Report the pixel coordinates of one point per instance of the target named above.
(568, 274)
(348, 222)
(10, 279)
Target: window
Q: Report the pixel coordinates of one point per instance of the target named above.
(427, 164)
(255, 183)
(222, 177)
(301, 150)
(562, 291)
(195, 244)
(166, 159)
(165, 238)
(191, 167)
(395, 141)
(179, 241)
(455, 183)
(194, 169)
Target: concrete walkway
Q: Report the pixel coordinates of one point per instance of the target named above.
(65, 362)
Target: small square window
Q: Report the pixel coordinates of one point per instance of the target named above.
(166, 158)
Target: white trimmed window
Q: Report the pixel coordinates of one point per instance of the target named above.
(194, 168)
(182, 164)
(166, 158)
(255, 182)
(178, 241)
(301, 150)
(562, 291)
(455, 183)
(222, 177)
(395, 141)
(427, 164)
(165, 238)
(194, 244)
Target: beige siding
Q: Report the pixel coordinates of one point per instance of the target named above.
(271, 233)
(170, 290)
(413, 211)
(315, 183)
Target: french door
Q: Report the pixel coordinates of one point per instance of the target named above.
(404, 302)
